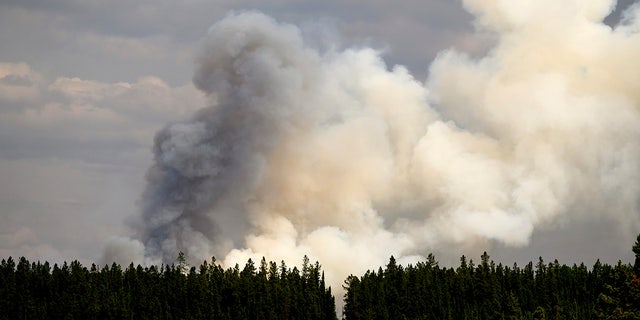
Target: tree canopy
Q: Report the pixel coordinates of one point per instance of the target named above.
(544, 290)
(34, 290)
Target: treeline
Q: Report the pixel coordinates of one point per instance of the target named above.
(490, 291)
(34, 290)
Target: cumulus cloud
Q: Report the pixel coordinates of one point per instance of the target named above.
(78, 118)
(19, 85)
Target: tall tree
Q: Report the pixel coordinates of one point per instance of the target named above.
(636, 251)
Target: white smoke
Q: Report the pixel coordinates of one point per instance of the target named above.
(333, 155)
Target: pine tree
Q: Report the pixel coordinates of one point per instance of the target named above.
(636, 251)
(182, 263)
(513, 310)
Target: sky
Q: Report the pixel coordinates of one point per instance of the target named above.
(86, 85)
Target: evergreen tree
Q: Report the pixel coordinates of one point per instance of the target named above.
(620, 298)
(636, 251)
(485, 291)
(29, 291)
(182, 262)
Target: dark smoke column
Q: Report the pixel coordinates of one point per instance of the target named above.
(205, 168)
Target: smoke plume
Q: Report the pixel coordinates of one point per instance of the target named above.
(334, 155)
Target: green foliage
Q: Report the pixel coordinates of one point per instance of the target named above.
(620, 298)
(274, 291)
(36, 291)
(485, 291)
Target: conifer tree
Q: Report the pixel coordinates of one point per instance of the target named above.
(636, 251)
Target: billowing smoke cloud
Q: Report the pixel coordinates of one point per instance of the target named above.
(336, 156)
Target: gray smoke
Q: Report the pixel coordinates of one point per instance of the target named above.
(206, 169)
(335, 156)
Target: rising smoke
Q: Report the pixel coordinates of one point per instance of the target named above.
(336, 156)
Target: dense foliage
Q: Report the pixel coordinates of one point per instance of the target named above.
(271, 291)
(490, 291)
(37, 291)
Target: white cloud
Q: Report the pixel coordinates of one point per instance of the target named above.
(19, 85)
(71, 114)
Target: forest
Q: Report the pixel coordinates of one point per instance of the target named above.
(71, 291)
(35, 290)
(489, 291)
